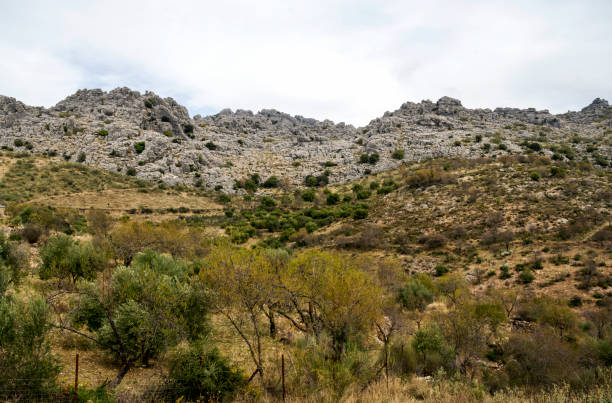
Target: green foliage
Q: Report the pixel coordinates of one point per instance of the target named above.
(415, 296)
(398, 154)
(139, 147)
(210, 145)
(308, 195)
(63, 257)
(363, 194)
(131, 171)
(333, 198)
(271, 182)
(534, 146)
(25, 351)
(195, 373)
(360, 214)
(13, 259)
(148, 103)
(526, 276)
(535, 176)
(102, 132)
(145, 309)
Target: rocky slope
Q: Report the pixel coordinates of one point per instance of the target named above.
(156, 139)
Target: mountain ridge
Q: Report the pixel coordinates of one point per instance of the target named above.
(156, 139)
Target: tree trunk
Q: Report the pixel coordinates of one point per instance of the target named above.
(273, 330)
(123, 370)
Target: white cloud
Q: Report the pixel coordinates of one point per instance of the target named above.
(344, 60)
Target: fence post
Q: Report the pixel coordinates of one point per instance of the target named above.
(283, 373)
(76, 379)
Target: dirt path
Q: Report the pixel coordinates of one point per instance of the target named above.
(594, 230)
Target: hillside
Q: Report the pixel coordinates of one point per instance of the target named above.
(155, 139)
(437, 254)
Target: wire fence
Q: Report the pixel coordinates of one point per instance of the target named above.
(31, 390)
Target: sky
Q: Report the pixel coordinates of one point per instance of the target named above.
(348, 61)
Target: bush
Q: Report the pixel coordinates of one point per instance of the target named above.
(139, 147)
(363, 194)
(271, 182)
(102, 132)
(308, 195)
(148, 103)
(28, 367)
(526, 276)
(63, 257)
(188, 128)
(211, 146)
(131, 171)
(333, 198)
(433, 241)
(31, 232)
(534, 146)
(440, 270)
(534, 176)
(360, 214)
(415, 295)
(428, 177)
(194, 373)
(369, 158)
(18, 143)
(165, 118)
(398, 154)
(81, 157)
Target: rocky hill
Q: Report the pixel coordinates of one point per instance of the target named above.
(154, 138)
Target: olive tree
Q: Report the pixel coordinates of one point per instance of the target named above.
(140, 311)
(26, 362)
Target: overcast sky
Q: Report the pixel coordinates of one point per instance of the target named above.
(342, 60)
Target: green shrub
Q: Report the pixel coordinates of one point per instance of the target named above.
(534, 146)
(28, 367)
(148, 103)
(18, 143)
(188, 128)
(168, 133)
(534, 176)
(415, 295)
(526, 276)
(211, 146)
(308, 195)
(311, 226)
(360, 214)
(363, 194)
(82, 157)
(102, 132)
(139, 147)
(440, 270)
(63, 257)
(195, 374)
(271, 182)
(333, 198)
(398, 154)
(131, 171)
